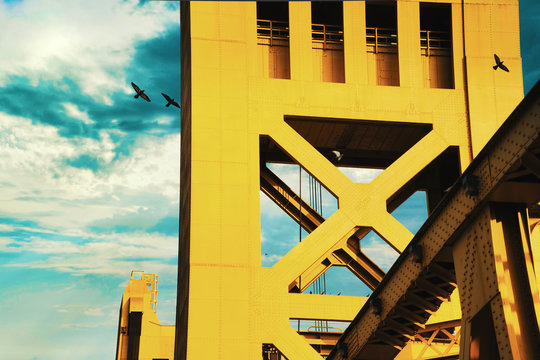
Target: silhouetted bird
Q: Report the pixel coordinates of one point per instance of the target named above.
(499, 64)
(170, 101)
(140, 93)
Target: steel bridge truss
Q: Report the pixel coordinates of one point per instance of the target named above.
(478, 240)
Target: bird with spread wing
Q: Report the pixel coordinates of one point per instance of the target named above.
(499, 64)
(140, 93)
(170, 101)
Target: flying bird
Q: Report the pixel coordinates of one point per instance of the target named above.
(170, 101)
(499, 64)
(338, 155)
(140, 93)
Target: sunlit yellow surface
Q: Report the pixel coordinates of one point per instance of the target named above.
(156, 340)
(234, 304)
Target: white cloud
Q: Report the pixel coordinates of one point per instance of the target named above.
(50, 40)
(73, 111)
(77, 326)
(359, 175)
(40, 245)
(39, 186)
(289, 174)
(379, 251)
(111, 254)
(164, 120)
(271, 259)
(94, 311)
(269, 208)
(64, 200)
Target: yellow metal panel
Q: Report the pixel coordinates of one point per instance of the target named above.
(410, 66)
(136, 304)
(300, 40)
(331, 307)
(206, 204)
(234, 323)
(518, 322)
(234, 146)
(354, 29)
(235, 305)
(448, 311)
(209, 149)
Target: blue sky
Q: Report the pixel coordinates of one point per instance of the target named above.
(89, 175)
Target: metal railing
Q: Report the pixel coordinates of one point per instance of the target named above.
(434, 40)
(381, 38)
(325, 329)
(151, 281)
(271, 30)
(327, 34)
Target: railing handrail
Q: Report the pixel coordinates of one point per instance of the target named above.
(381, 37)
(340, 331)
(435, 39)
(381, 28)
(272, 30)
(327, 34)
(339, 27)
(151, 280)
(434, 31)
(272, 22)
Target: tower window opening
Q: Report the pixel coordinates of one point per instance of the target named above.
(436, 45)
(382, 43)
(327, 38)
(273, 38)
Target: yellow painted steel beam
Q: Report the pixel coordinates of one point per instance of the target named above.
(229, 100)
(363, 267)
(289, 201)
(430, 347)
(464, 218)
(516, 282)
(328, 307)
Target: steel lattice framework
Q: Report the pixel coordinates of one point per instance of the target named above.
(240, 110)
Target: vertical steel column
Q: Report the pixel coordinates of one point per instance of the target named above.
(497, 287)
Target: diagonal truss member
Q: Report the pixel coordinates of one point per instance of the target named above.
(478, 240)
(344, 253)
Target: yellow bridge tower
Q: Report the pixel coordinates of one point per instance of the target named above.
(405, 86)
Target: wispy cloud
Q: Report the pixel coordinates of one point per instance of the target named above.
(94, 311)
(73, 111)
(359, 175)
(112, 254)
(36, 164)
(378, 251)
(269, 260)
